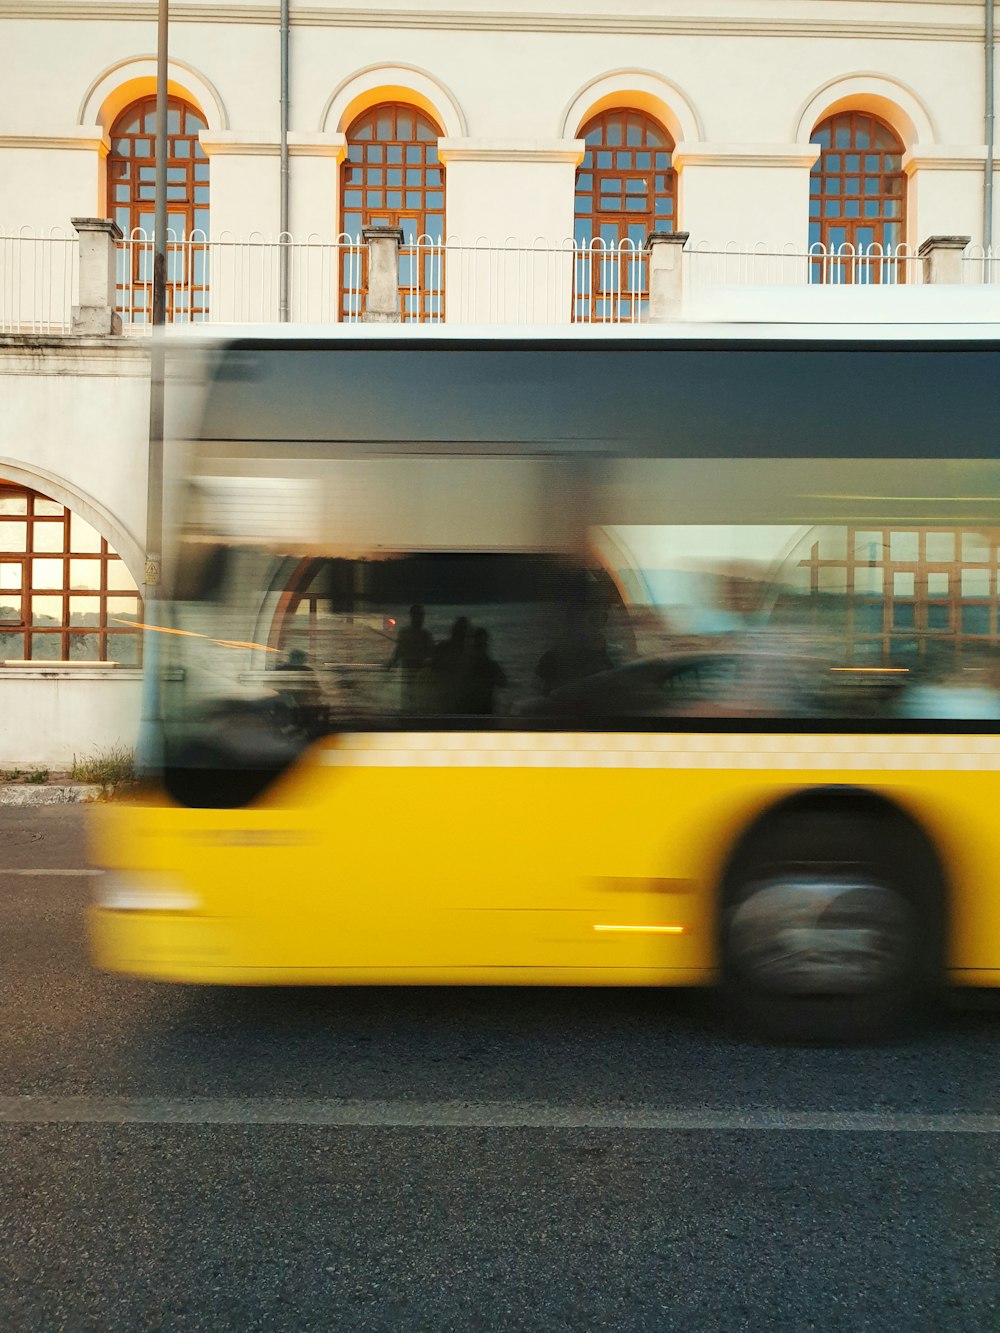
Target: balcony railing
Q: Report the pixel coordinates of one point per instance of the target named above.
(230, 280)
(736, 265)
(39, 280)
(981, 266)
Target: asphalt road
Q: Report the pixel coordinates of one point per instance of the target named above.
(435, 1159)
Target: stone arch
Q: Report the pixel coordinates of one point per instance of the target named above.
(392, 83)
(128, 80)
(892, 101)
(641, 89)
(90, 509)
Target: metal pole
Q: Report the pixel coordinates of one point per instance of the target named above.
(149, 743)
(283, 210)
(989, 118)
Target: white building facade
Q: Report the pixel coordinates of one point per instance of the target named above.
(523, 150)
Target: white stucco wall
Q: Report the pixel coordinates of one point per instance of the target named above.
(73, 425)
(51, 717)
(750, 75)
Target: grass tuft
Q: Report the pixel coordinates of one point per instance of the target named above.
(108, 769)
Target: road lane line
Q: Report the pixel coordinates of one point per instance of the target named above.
(4, 871)
(335, 1113)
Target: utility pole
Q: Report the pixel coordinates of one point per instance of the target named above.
(149, 744)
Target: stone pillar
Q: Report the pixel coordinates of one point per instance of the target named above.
(666, 275)
(942, 257)
(98, 253)
(382, 305)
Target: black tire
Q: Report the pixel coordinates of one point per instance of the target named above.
(831, 926)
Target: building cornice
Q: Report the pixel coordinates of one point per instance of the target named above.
(511, 150)
(945, 157)
(801, 155)
(672, 25)
(85, 138)
(233, 143)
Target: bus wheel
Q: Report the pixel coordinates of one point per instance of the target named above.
(831, 925)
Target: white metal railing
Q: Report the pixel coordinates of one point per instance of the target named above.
(736, 265)
(981, 265)
(233, 280)
(238, 280)
(541, 283)
(38, 280)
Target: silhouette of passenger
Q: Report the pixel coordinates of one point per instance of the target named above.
(448, 666)
(582, 651)
(414, 650)
(481, 679)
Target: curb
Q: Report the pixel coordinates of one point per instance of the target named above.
(23, 794)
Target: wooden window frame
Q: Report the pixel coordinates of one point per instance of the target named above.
(866, 196)
(368, 172)
(621, 134)
(105, 629)
(133, 153)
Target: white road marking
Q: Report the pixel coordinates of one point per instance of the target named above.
(336, 1113)
(61, 873)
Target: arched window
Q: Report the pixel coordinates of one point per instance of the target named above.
(625, 188)
(392, 177)
(857, 195)
(131, 202)
(65, 595)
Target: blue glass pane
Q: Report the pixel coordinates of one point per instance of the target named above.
(868, 617)
(975, 619)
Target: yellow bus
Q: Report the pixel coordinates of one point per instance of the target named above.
(632, 657)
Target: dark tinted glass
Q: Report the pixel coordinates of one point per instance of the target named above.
(674, 400)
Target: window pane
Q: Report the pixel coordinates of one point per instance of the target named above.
(119, 579)
(48, 536)
(47, 573)
(84, 610)
(13, 536)
(84, 648)
(82, 536)
(46, 647)
(904, 546)
(46, 611)
(975, 547)
(903, 584)
(124, 648)
(123, 609)
(975, 582)
(85, 574)
(975, 620)
(940, 546)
